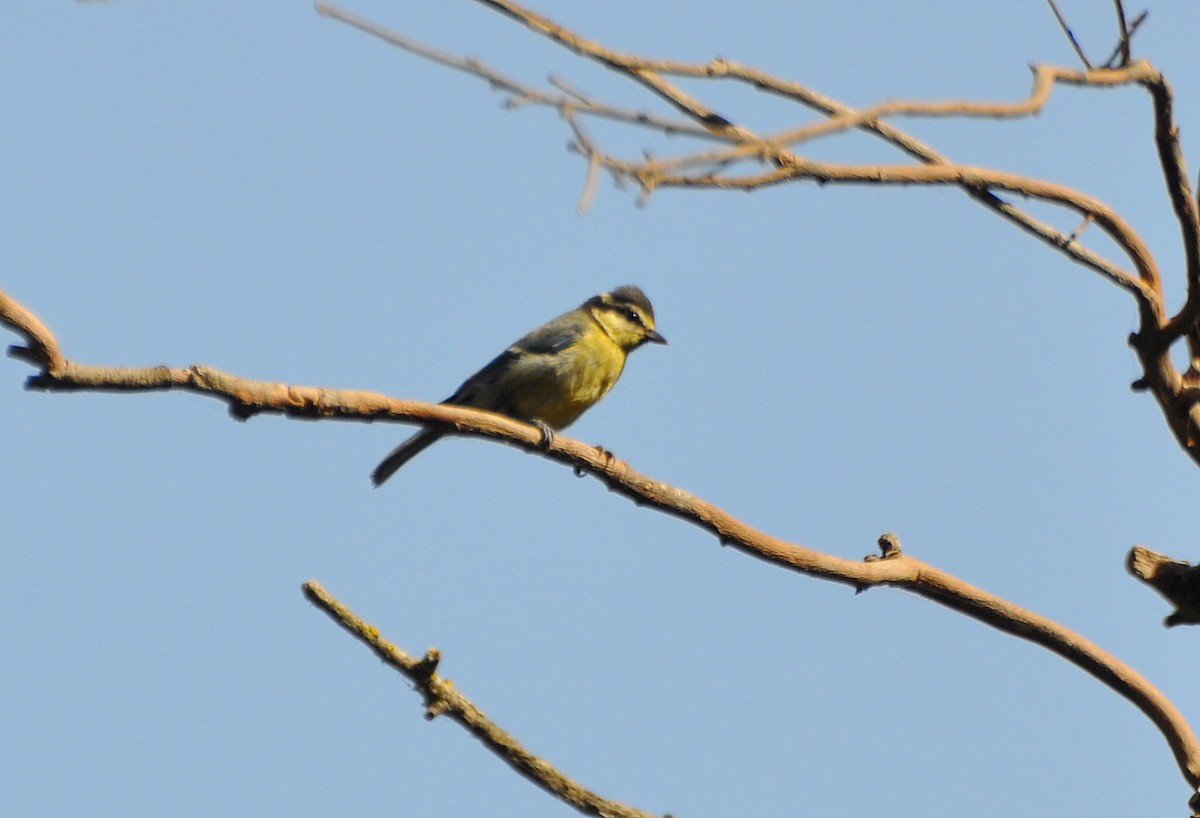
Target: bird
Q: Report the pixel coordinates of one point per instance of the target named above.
(552, 375)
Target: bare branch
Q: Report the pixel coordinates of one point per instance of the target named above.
(524, 93)
(1176, 580)
(1122, 54)
(41, 348)
(1121, 47)
(920, 150)
(247, 397)
(771, 148)
(442, 698)
(648, 73)
(1083, 226)
(1183, 202)
(1062, 22)
(585, 145)
(1123, 33)
(843, 118)
(1145, 285)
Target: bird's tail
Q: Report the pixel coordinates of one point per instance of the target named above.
(403, 453)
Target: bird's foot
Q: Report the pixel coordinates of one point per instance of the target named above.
(547, 433)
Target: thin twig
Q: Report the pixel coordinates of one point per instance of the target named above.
(500, 81)
(1119, 50)
(1123, 33)
(1062, 22)
(646, 73)
(1083, 225)
(585, 145)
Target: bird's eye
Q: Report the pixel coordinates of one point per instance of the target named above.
(634, 316)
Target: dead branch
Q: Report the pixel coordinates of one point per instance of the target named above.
(1176, 580)
(248, 397)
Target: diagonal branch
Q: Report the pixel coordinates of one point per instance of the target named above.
(522, 93)
(442, 698)
(1066, 28)
(646, 72)
(247, 397)
(1121, 51)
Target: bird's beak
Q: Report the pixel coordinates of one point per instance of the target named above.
(651, 335)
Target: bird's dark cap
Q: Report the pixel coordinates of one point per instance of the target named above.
(631, 294)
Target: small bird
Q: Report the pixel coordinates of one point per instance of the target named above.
(552, 375)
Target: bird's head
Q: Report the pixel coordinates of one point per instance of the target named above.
(626, 316)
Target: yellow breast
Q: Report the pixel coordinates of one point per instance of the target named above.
(582, 375)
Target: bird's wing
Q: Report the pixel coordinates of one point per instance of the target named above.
(551, 338)
(491, 387)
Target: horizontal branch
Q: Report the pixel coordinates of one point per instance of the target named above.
(248, 397)
(442, 698)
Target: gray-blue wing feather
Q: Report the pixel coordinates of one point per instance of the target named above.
(528, 365)
(486, 389)
(551, 338)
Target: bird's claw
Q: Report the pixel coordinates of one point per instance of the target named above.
(547, 434)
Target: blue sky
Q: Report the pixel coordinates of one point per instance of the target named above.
(277, 195)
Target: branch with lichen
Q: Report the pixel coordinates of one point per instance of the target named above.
(247, 398)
